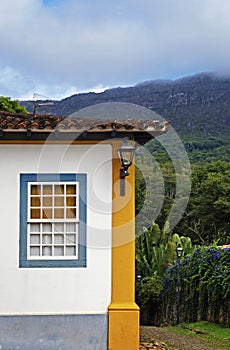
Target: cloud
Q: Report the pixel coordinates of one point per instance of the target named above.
(75, 45)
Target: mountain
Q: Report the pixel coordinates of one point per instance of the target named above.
(196, 105)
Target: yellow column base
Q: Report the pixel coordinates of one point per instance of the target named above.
(123, 326)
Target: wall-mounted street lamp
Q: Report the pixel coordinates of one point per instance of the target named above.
(125, 153)
(138, 277)
(179, 252)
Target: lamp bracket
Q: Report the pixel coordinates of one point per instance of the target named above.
(124, 172)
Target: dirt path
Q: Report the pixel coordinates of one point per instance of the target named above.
(163, 339)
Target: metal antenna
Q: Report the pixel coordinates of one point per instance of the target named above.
(38, 97)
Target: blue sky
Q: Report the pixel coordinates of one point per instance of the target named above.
(51, 3)
(60, 47)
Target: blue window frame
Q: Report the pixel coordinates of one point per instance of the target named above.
(52, 220)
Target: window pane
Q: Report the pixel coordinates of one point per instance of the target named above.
(47, 201)
(59, 239)
(59, 189)
(71, 201)
(46, 251)
(35, 202)
(58, 251)
(59, 213)
(34, 239)
(47, 239)
(59, 201)
(70, 239)
(35, 214)
(58, 227)
(34, 251)
(70, 251)
(53, 230)
(47, 189)
(35, 190)
(46, 228)
(34, 227)
(70, 189)
(71, 213)
(71, 227)
(47, 213)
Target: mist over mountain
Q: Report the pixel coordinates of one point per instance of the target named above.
(195, 105)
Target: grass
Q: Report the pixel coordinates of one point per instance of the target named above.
(208, 333)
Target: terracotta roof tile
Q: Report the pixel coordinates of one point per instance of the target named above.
(22, 122)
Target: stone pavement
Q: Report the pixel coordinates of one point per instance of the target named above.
(152, 345)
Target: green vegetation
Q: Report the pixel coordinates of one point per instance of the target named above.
(203, 327)
(204, 286)
(199, 149)
(207, 215)
(12, 106)
(203, 274)
(207, 149)
(199, 335)
(208, 333)
(155, 252)
(204, 269)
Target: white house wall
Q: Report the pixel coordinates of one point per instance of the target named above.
(54, 291)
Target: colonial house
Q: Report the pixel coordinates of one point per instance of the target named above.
(67, 235)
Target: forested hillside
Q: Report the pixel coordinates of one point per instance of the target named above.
(196, 105)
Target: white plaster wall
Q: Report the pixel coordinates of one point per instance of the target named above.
(56, 290)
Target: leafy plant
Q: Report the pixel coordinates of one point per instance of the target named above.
(6, 104)
(155, 251)
(205, 285)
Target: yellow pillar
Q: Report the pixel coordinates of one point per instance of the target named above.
(123, 311)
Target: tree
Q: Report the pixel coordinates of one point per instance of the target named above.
(207, 217)
(149, 192)
(13, 106)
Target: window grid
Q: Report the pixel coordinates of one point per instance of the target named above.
(53, 202)
(46, 242)
(53, 220)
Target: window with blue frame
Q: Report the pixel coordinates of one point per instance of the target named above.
(52, 220)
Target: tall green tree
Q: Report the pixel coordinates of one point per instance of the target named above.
(207, 218)
(13, 106)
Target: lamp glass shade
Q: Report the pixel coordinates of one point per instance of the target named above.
(179, 251)
(126, 153)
